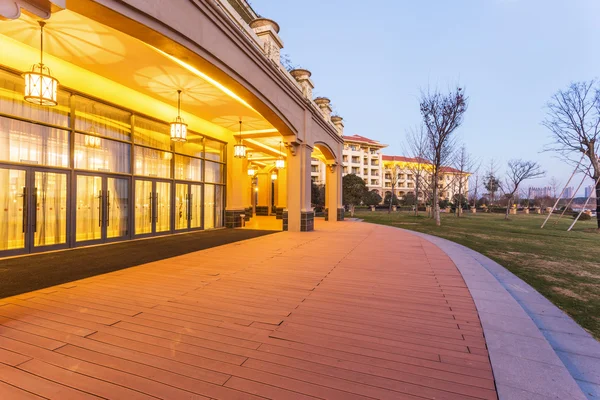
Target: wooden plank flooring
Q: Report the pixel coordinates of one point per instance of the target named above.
(350, 311)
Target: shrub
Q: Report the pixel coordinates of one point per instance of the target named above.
(584, 216)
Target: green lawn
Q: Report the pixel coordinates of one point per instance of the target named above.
(563, 266)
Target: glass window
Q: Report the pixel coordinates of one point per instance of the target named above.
(100, 154)
(218, 206)
(214, 172)
(150, 162)
(209, 206)
(12, 88)
(152, 134)
(194, 146)
(101, 119)
(187, 168)
(34, 144)
(214, 150)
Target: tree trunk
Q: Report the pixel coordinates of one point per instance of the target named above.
(352, 210)
(435, 205)
(598, 204)
(508, 204)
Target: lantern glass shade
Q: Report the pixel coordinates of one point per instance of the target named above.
(251, 171)
(280, 163)
(40, 86)
(274, 176)
(178, 130)
(239, 150)
(92, 141)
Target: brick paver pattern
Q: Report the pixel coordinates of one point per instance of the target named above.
(350, 311)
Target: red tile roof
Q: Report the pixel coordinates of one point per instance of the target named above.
(362, 139)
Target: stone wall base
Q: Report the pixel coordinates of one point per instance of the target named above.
(262, 211)
(307, 221)
(233, 218)
(279, 212)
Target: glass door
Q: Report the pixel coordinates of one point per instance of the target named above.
(33, 216)
(188, 206)
(152, 207)
(101, 208)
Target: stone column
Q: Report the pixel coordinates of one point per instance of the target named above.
(339, 125)
(238, 190)
(325, 105)
(300, 215)
(268, 31)
(302, 76)
(281, 192)
(333, 195)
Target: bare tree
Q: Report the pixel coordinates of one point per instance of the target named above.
(474, 186)
(442, 115)
(519, 171)
(573, 118)
(393, 169)
(554, 184)
(417, 149)
(464, 165)
(491, 181)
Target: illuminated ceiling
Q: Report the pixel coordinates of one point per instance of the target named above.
(125, 60)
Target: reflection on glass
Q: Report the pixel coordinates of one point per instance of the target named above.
(33, 144)
(152, 134)
(144, 200)
(187, 168)
(196, 206)
(117, 197)
(12, 88)
(214, 150)
(100, 154)
(218, 206)
(163, 206)
(194, 146)
(101, 119)
(150, 162)
(50, 201)
(209, 206)
(214, 172)
(88, 214)
(181, 206)
(12, 208)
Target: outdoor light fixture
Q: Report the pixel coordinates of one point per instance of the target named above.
(274, 175)
(280, 162)
(178, 127)
(40, 86)
(92, 141)
(251, 171)
(239, 150)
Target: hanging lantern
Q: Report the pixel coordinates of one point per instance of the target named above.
(40, 87)
(178, 127)
(274, 175)
(251, 171)
(280, 162)
(92, 141)
(239, 150)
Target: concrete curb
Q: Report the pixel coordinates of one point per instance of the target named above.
(537, 352)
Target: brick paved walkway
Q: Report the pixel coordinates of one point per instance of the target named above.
(350, 311)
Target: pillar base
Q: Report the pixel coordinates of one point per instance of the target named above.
(307, 221)
(233, 218)
(340, 214)
(284, 217)
(248, 211)
(279, 212)
(262, 211)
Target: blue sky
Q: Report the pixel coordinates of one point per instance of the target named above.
(373, 58)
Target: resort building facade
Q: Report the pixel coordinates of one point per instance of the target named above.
(145, 117)
(383, 173)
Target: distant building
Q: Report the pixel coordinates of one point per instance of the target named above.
(590, 190)
(568, 193)
(537, 192)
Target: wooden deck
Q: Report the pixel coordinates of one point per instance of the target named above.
(351, 311)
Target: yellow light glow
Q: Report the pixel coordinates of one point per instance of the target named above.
(274, 176)
(207, 78)
(280, 164)
(251, 171)
(92, 141)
